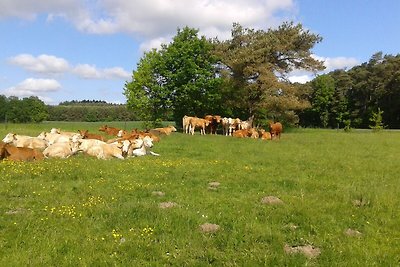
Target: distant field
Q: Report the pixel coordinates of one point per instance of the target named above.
(88, 212)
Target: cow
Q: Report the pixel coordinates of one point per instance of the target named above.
(264, 135)
(186, 124)
(198, 123)
(53, 138)
(253, 133)
(109, 130)
(241, 133)
(25, 141)
(61, 150)
(229, 125)
(214, 121)
(141, 147)
(275, 129)
(86, 135)
(102, 150)
(165, 130)
(58, 131)
(3, 152)
(14, 153)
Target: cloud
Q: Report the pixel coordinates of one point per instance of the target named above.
(33, 87)
(331, 64)
(43, 64)
(48, 65)
(30, 9)
(337, 62)
(86, 71)
(154, 19)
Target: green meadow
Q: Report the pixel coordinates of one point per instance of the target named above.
(339, 193)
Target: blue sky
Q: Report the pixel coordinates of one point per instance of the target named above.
(84, 49)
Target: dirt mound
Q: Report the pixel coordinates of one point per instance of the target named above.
(352, 232)
(213, 185)
(167, 205)
(158, 193)
(271, 200)
(307, 250)
(209, 228)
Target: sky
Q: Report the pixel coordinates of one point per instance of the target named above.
(87, 49)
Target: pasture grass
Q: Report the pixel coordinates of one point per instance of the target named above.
(88, 212)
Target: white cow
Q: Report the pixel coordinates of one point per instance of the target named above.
(25, 141)
(61, 150)
(102, 150)
(141, 147)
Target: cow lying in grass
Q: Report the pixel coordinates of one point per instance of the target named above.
(165, 130)
(86, 135)
(109, 130)
(12, 152)
(61, 150)
(141, 147)
(102, 150)
(25, 141)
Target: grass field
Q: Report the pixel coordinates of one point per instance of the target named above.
(88, 212)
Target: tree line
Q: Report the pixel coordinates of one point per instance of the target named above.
(355, 97)
(32, 109)
(248, 75)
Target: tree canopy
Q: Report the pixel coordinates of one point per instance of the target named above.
(243, 76)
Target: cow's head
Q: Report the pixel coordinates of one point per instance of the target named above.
(10, 137)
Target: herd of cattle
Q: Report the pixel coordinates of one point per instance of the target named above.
(58, 144)
(230, 127)
(121, 144)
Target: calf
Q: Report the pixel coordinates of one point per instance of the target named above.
(241, 133)
(264, 135)
(21, 153)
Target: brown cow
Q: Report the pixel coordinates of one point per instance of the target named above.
(109, 130)
(241, 133)
(21, 153)
(264, 135)
(275, 129)
(166, 130)
(86, 135)
(214, 121)
(198, 123)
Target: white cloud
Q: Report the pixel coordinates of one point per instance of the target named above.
(43, 64)
(33, 87)
(155, 19)
(48, 65)
(86, 71)
(116, 73)
(300, 79)
(331, 64)
(337, 62)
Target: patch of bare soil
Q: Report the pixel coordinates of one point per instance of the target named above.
(167, 205)
(352, 232)
(361, 202)
(213, 185)
(158, 193)
(15, 211)
(271, 200)
(307, 250)
(209, 228)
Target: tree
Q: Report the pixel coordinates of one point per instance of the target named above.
(180, 77)
(257, 64)
(322, 97)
